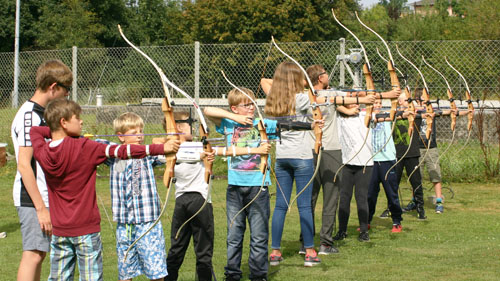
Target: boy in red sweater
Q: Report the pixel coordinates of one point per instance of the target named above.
(69, 165)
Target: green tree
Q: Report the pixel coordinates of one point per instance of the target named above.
(394, 7)
(30, 13)
(482, 19)
(67, 23)
(227, 21)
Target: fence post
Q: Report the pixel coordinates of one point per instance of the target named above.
(15, 93)
(341, 65)
(74, 86)
(197, 71)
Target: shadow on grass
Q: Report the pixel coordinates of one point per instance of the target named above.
(9, 228)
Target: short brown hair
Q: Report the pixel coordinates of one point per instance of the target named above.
(127, 121)
(60, 109)
(314, 71)
(235, 97)
(53, 71)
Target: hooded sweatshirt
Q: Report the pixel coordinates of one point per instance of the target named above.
(70, 171)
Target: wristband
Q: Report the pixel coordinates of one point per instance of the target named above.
(357, 100)
(234, 151)
(343, 101)
(224, 151)
(216, 151)
(248, 149)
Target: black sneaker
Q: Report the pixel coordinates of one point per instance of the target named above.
(410, 207)
(341, 235)
(421, 214)
(363, 236)
(385, 214)
(326, 250)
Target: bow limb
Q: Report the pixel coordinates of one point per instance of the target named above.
(367, 73)
(453, 107)
(470, 107)
(428, 109)
(370, 86)
(410, 118)
(390, 67)
(169, 176)
(263, 158)
(318, 132)
(394, 83)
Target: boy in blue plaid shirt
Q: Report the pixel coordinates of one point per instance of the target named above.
(136, 205)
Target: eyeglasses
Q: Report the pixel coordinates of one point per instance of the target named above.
(247, 105)
(67, 88)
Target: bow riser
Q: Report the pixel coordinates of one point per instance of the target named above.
(370, 85)
(171, 128)
(207, 148)
(428, 109)
(453, 107)
(411, 108)
(264, 139)
(395, 85)
(470, 107)
(317, 115)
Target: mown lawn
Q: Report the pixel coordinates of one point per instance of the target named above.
(461, 244)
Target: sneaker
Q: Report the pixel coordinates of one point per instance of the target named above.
(326, 250)
(359, 228)
(310, 261)
(439, 208)
(302, 250)
(275, 260)
(410, 207)
(421, 214)
(341, 235)
(396, 228)
(385, 214)
(363, 236)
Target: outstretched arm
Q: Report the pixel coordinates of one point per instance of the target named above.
(216, 115)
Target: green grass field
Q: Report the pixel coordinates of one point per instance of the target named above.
(461, 244)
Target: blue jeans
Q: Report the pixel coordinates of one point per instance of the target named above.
(391, 186)
(258, 219)
(302, 171)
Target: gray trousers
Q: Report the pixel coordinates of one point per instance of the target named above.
(331, 160)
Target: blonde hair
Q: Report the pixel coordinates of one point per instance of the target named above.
(288, 80)
(235, 97)
(60, 109)
(53, 71)
(127, 121)
(178, 115)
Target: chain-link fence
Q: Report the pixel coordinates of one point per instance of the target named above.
(120, 79)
